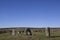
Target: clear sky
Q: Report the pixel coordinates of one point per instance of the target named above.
(29, 13)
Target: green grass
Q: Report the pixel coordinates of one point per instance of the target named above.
(35, 36)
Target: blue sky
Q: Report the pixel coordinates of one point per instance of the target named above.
(29, 13)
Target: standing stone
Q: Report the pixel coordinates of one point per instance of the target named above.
(28, 32)
(47, 30)
(18, 32)
(13, 32)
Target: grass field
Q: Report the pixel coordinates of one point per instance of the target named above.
(35, 36)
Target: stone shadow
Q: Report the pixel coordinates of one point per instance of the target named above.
(54, 36)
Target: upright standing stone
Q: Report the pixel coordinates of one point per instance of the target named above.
(18, 32)
(13, 32)
(47, 31)
(28, 32)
